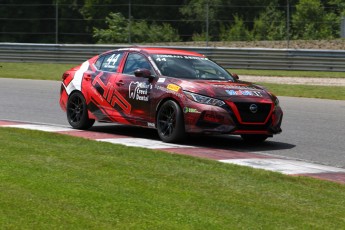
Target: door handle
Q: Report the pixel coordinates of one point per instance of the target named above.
(119, 83)
(87, 77)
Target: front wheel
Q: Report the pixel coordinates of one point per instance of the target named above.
(77, 114)
(170, 124)
(254, 138)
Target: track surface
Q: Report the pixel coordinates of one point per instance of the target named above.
(313, 129)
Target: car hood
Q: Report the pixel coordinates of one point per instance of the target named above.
(226, 89)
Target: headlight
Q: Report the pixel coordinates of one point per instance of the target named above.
(203, 99)
(276, 102)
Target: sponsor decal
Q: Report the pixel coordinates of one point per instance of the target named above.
(150, 124)
(139, 91)
(162, 57)
(161, 80)
(236, 87)
(168, 91)
(190, 110)
(173, 87)
(233, 92)
(111, 62)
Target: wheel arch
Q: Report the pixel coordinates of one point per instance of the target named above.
(91, 115)
(159, 105)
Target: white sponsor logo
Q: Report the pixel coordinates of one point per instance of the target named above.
(139, 91)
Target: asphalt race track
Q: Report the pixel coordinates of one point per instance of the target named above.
(313, 129)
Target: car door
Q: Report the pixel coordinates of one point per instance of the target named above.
(136, 90)
(105, 102)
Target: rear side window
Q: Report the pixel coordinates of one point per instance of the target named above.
(109, 62)
(99, 62)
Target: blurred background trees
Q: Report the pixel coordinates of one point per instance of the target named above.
(137, 21)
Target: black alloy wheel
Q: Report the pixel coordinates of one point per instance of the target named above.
(170, 124)
(77, 114)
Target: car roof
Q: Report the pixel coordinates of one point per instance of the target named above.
(155, 50)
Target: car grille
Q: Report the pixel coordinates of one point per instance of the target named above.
(263, 110)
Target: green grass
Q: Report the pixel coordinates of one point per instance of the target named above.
(310, 91)
(288, 73)
(37, 71)
(51, 181)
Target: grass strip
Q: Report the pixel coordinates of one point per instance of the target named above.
(35, 71)
(51, 181)
(310, 91)
(54, 72)
(50, 71)
(288, 73)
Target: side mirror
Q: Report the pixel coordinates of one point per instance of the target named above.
(145, 73)
(234, 75)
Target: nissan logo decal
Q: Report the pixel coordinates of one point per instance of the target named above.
(253, 108)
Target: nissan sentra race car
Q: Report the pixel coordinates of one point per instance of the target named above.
(174, 91)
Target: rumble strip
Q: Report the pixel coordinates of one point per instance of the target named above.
(285, 166)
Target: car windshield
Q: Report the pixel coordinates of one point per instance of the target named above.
(190, 67)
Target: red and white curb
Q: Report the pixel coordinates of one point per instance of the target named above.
(255, 160)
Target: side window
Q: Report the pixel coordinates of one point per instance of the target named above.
(110, 62)
(136, 61)
(99, 62)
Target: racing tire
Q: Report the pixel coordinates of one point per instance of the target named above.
(170, 123)
(254, 138)
(77, 114)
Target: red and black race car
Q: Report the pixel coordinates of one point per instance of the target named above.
(174, 91)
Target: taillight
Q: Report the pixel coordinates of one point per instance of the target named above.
(64, 76)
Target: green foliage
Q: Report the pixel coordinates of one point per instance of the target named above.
(311, 21)
(340, 6)
(88, 21)
(118, 31)
(143, 32)
(196, 13)
(270, 25)
(200, 37)
(236, 32)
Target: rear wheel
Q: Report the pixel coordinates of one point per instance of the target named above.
(77, 114)
(254, 138)
(170, 124)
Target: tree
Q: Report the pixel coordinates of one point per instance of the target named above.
(311, 21)
(339, 7)
(270, 25)
(236, 32)
(141, 31)
(117, 31)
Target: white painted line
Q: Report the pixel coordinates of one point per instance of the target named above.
(145, 143)
(45, 128)
(284, 166)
